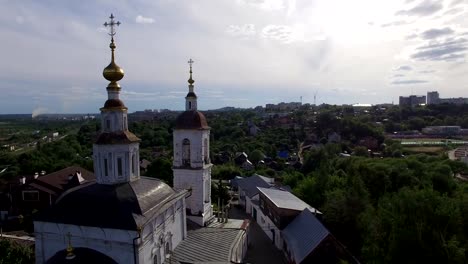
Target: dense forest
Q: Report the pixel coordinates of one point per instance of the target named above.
(398, 207)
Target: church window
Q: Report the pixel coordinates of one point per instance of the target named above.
(106, 172)
(133, 163)
(186, 152)
(190, 105)
(156, 259)
(207, 191)
(124, 122)
(108, 124)
(206, 153)
(119, 166)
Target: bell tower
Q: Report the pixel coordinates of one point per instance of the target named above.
(191, 164)
(116, 151)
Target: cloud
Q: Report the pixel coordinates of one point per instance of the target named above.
(404, 68)
(427, 71)
(398, 75)
(457, 2)
(144, 20)
(435, 33)
(425, 8)
(448, 50)
(405, 82)
(277, 32)
(411, 36)
(396, 23)
(246, 30)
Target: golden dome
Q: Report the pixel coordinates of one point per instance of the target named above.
(113, 72)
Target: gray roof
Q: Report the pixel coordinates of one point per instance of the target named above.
(120, 206)
(285, 199)
(208, 245)
(304, 234)
(250, 184)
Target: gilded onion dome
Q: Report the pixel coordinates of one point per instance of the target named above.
(113, 72)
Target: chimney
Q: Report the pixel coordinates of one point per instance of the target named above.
(22, 180)
(79, 177)
(36, 175)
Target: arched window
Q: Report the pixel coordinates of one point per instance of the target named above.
(186, 152)
(156, 259)
(206, 153)
(167, 252)
(190, 105)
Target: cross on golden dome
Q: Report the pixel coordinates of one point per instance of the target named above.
(191, 81)
(111, 24)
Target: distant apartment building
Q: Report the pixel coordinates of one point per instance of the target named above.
(433, 98)
(412, 100)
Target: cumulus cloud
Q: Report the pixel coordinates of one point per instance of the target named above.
(447, 50)
(404, 68)
(405, 82)
(396, 23)
(425, 8)
(436, 32)
(277, 32)
(246, 30)
(144, 20)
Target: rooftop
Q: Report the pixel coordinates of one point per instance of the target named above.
(286, 200)
(304, 234)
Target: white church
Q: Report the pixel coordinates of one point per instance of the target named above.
(124, 217)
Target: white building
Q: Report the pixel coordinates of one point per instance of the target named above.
(191, 164)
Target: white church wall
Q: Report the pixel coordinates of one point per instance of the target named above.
(169, 227)
(197, 138)
(53, 237)
(130, 164)
(194, 180)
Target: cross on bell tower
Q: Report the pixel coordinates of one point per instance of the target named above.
(191, 98)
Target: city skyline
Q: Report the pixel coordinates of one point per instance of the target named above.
(246, 52)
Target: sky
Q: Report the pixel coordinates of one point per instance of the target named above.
(246, 52)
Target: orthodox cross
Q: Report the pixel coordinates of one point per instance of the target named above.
(190, 62)
(111, 24)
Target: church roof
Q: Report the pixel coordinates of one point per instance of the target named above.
(120, 137)
(191, 120)
(121, 206)
(191, 94)
(208, 245)
(110, 103)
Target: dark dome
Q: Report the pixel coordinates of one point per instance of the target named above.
(191, 94)
(113, 103)
(120, 206)
(82, 255)
(191, 120)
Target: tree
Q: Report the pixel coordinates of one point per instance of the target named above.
(12, 253)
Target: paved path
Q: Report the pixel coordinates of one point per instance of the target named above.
(261, 250)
